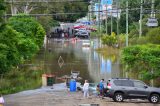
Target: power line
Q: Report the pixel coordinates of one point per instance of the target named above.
(46, 14)
(72, 13)
(36, 1)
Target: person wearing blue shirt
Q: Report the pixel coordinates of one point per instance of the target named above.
(101, 87)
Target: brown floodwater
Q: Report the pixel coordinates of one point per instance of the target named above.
(61, 56)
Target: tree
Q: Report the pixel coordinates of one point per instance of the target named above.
(62, 7)
(2, 10)
(142, 59)
(32, 34)
(9, 55)
(80, 8)
(47, 22)
(134, 14)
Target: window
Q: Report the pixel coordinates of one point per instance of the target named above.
(139, 84)
(117, 82)
(126, 83)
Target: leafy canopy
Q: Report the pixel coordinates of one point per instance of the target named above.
(32, 34)
(143, 59)
(9, 55)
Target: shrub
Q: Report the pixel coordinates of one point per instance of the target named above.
(109, 40)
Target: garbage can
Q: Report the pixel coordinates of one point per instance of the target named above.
(72, 85)
(48, 79)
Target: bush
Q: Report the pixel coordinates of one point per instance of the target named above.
(109, 40)
(153, 36)
(142, 59)
(121, 40)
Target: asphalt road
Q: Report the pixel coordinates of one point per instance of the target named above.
(63, 97)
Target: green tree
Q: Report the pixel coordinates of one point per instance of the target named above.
(9, 55)
(153, 36)
(142, 59)
(47, 22)
(114, 25)
(2, 10)
(134, 14)
(80, 8)
(32, 34)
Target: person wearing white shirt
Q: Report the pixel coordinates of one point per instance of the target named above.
(86, 89)
(1, 100)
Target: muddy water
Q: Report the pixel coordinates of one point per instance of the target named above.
(76, 57)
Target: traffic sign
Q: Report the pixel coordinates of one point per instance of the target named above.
(60, 62)
(152, 22)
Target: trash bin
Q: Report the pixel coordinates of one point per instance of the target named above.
(72, 85)
(48, 79)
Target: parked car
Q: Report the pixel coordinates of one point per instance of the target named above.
(83, 34)
(120, 89)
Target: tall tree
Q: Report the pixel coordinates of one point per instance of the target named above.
(32, 34)
(2, 10)
(62, 7)
(80, 8)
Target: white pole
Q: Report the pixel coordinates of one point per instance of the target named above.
(127, 23)
(140, 21)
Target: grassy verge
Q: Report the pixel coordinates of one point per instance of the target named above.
(19, 80)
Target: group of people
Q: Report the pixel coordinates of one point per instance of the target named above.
(100, 89)
(64, 33)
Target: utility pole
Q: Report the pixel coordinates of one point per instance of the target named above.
(117, 5)
(99, 23)
(140, 21)
(127, 23)
(91, 10)
(89, 16)
(111, 22)
(106, 20)
(152, 13)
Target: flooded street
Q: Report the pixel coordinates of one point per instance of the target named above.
(60, 57)
(77, 57)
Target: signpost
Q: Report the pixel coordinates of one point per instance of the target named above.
(152, 22)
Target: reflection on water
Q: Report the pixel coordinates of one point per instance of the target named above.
(92, 66)
(77, 57)
(105, 66)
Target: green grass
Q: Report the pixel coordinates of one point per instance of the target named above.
(19, 80)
